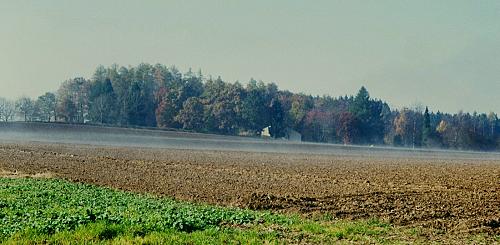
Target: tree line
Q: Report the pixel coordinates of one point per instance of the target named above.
(159, 96)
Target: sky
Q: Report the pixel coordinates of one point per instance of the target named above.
(442, 54)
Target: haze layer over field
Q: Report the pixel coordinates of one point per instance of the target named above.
(128, 137)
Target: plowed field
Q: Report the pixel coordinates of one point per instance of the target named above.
(453, 195)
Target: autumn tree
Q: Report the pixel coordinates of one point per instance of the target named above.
(408, 127)
(493, 125)
(255, 110)
(167, 109)
(135, 106)
(300, 105)
(47, 106)
(172, 95)
(191, 114)
(67, 110)
(223, 106)
(74, 91)
(319, 126)
(102, 102)
(348, 127)
(121, 80)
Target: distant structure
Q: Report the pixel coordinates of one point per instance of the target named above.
(290, 134)
(265, 133)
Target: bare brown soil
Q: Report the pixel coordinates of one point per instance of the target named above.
(453, 195)
(9, 174)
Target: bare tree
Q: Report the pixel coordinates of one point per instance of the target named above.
(7, 110)
(26, 106)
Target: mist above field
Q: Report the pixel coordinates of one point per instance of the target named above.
(96, 136)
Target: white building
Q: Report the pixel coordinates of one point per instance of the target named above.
(290, 134)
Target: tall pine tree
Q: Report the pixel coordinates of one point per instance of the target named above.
(427, 131)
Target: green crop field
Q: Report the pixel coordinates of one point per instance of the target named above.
(57, 211)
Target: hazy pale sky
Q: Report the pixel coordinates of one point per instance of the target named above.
(445, 54)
